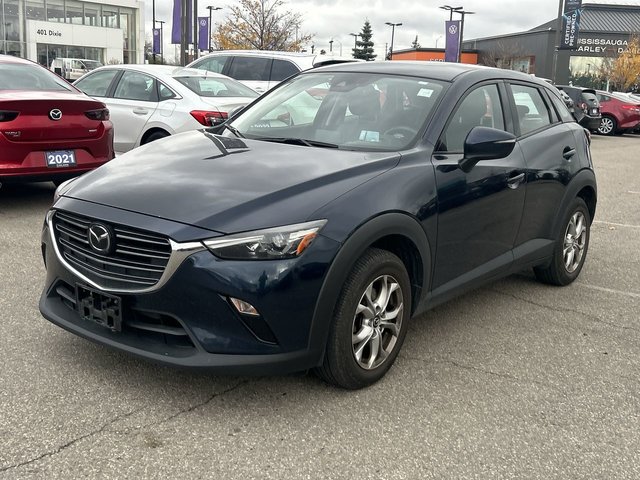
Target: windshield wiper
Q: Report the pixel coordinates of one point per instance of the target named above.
(233, 130)
(299, 141)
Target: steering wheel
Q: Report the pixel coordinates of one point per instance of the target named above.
(401, 130)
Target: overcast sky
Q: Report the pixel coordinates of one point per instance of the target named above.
(327, 19)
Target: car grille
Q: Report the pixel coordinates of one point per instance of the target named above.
(136, 261)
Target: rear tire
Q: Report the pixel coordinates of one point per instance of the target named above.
(370, 321)
(571, 247)
(608, 125)
(155, 136)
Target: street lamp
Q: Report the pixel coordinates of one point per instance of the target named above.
(339, 43)
(331, 45)
(462, 14)
(211, 9)
(451, 10)
(439, 37)
(161, 22)
(355, 39)
(393, 29)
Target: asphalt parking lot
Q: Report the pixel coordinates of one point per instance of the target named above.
(515, 380)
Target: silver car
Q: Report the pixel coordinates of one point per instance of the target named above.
(148, 102)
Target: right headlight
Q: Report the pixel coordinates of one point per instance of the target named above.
(271, 244)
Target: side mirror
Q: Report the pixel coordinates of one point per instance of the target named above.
(484, 143)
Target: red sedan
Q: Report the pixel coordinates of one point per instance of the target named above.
(620, 113)
(49, 130)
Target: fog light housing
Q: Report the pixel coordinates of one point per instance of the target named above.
(245, 308)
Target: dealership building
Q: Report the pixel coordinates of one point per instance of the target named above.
(42, 30)
(604, 32)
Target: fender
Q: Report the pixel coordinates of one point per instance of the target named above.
(361, 239)
(584, 178)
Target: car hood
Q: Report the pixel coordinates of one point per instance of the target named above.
(228, 184)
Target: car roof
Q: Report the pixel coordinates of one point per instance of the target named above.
(12, 59)
(163, 71)
(303, 59)
(445, 71)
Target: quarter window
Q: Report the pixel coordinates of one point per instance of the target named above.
(533, 113)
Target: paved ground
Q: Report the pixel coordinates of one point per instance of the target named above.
(516, 380)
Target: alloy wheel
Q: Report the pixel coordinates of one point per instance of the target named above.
(606, 126)
(377, 322)
(575, 239)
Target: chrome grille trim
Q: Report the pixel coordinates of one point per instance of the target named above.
(176, 254)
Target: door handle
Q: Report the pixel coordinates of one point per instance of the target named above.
(568, 152)
(140, 111)
(515, 181)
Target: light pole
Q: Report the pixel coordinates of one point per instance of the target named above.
(462, 14)
(355, 40)
(451, 10)
(211, 9)
(339, 43)
(439, 37)
(331, 45)
(153, 13)
(161, 22)
(393, 30)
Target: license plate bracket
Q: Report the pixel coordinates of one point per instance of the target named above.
(60, 158)
(99, 308)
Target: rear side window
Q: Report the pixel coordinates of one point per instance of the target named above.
(250, 68)
(16, 76)
(533, 113)
(213, 64)
(136, 86)
(561, 107)
(282, 69)
(97, 84)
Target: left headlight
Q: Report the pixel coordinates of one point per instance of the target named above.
(271, 244)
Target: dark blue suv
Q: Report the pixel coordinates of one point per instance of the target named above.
(307, 231)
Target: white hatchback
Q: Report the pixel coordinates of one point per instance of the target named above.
(148, 102)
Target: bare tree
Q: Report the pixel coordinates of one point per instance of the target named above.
(261, 25)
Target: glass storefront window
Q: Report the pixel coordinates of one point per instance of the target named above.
(92, 15)
(74, 12)
(35, 10)
(110, 16)
(55, 11)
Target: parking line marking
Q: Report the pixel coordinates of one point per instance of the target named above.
(631, 191)
(616, 224)
(610, 290)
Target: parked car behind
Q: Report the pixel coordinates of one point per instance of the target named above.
(586, 106)
(620, 113)
(148, 102)
(261, 69)
(49, 130)
(274, 247)
(73, 68)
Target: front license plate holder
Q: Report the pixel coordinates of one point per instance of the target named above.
(60, 158)
(100, 308)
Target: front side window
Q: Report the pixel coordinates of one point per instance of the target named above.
(136, 86)
(96, 84)
(481, 107)
(353, 111)
(533, 113)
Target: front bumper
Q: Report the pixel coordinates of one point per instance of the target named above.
(189, 322)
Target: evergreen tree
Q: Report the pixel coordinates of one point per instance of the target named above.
(364, 46)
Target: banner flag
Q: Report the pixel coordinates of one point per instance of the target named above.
(452, 36)
(156, 40)
(176, 27)
(203, 33)
(570, 25)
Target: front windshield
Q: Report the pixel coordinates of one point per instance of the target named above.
(355, 111)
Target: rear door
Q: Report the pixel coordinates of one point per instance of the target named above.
(254, 72)
(135, 99)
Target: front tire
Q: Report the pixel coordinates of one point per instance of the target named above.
(370, 321)
(571, 247)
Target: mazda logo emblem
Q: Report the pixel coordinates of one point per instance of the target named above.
(100, 238)
(55, 114)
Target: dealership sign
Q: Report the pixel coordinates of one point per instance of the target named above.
(570, 24)
(603, 47)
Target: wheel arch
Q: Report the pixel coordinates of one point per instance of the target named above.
(150, 132)
(584, 186)
(398, 233)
